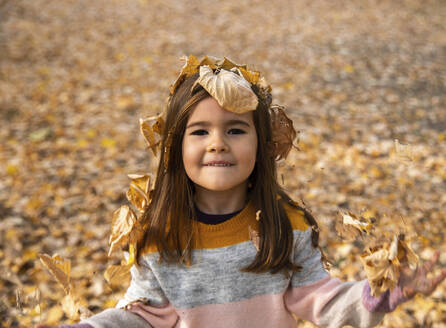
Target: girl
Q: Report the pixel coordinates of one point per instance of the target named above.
(225, 246)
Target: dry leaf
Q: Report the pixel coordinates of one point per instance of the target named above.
(192, 65)
(349, 226)
(190, 68)
(283, 132)
(117, 274)
(230, 89)
(403, 152)
(382, 264)
(59, 268)
(149, 127)
(124, 221)
(139, 190)
(71, 306)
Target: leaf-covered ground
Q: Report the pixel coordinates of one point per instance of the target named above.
(76, 75)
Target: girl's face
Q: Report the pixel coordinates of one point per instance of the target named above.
(219, 147)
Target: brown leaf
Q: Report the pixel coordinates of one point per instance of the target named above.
(283, 132)
(60, 269)
(349, 226)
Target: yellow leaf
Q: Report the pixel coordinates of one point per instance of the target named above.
(131, 258)
(148, 127)
(108, 142)
(123, 223)
(349, 69)
(12, 169)
(60, 269)
(117, 274)
(190, 67)
(54, 315)
(70, 305)
(139, 190)
(382, 264)
(250, 76)
(82, 143)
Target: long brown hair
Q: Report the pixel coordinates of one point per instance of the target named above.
(168, 217)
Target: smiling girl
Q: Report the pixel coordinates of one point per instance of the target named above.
(225, 246)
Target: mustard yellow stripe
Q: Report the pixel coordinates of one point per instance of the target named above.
(236, 229)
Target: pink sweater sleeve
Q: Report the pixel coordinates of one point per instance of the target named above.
(327, 302)
(331, 303)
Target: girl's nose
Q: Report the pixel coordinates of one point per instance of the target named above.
(217, 145)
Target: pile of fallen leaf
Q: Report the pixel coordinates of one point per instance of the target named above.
(363, 82)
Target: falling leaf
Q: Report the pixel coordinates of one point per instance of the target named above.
(60, 269)
(124, 221)
(349, 226)
(284, 132)
(382, 264)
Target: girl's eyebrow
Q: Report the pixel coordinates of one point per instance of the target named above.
(207, 123)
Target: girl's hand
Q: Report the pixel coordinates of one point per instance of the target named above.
(416, 281)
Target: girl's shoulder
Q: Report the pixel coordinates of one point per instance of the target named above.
(296, 215)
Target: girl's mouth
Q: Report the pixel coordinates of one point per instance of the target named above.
(219, 164)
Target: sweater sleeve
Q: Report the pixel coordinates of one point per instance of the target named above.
(144, 287)
(327, 302)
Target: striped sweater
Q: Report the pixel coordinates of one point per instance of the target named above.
(213, 292)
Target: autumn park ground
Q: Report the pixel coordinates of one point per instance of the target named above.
(364, 81)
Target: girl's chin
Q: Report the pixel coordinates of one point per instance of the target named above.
(221, 187)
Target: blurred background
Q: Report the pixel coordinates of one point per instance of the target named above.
(364, 82)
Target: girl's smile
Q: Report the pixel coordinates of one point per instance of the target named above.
(219, 148)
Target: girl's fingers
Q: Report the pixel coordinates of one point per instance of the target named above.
(439, 279)
(430, 264)
(136, 308)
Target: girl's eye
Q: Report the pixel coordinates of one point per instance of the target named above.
(236, 131)
(199, 132)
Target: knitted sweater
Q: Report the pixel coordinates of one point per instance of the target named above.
(212, 292)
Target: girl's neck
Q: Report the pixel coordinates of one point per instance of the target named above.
(220, 202)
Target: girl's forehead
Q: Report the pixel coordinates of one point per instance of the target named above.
(208, 109)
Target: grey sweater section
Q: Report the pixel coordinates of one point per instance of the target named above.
(117, 318)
